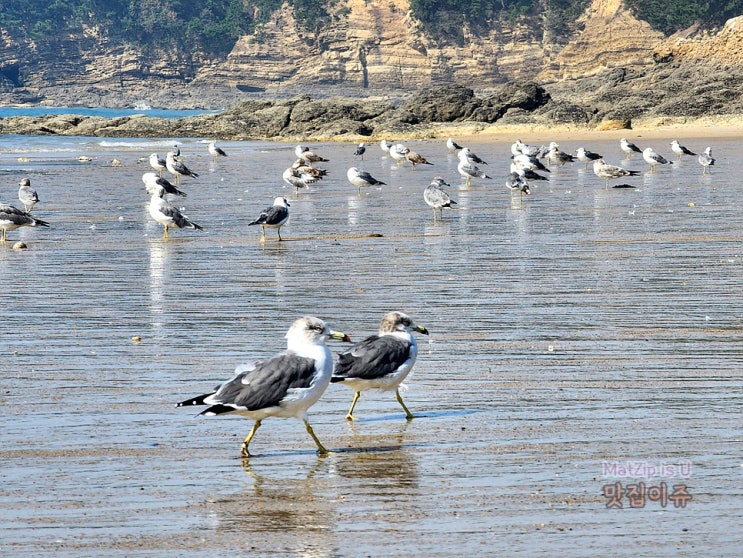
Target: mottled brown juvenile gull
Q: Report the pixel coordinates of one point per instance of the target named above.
(610, 172)
(380, 361)
(285, 385)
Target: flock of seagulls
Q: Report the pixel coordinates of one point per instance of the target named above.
(289, 383)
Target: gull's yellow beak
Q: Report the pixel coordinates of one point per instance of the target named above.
(340, 336)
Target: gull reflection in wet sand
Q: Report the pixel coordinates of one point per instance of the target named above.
(159, 257)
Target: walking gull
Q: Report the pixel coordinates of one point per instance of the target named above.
(285, 385)
(436, 197)
(12, 218)
(273, 217)
(166, 214)
(380, 361)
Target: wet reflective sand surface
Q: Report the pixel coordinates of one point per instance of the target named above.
(579, 338)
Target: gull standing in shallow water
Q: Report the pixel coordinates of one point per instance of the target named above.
(273, 217)
(151, 180)
(680, 150)
(654, 159)
(516, 182)
(467, 170)
(177, 168)
(362, 179)
(436, 197)
(706, 160)
(381, 361)
(166, 214)
(610, 172)
(285, 385)
(308, 156)
(27, 195)
(12, 218)
(360, 150)
(216, 151)
(628, 148)
(158, 164)
(585, 156)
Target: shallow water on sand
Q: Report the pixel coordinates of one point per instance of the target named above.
(574, 334)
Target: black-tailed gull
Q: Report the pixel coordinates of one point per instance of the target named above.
(12, 218)
(516, 182)
(216, 151)
(362, 179)
(706, 160)
(177, 168)
(628, 147)
(654, 159)
(158, 163)
(380, 361)
(586, 156)
(436, 196)
(151, 180)
(284, 386)
(680, 150)
(452, 145)
(467, 170)
(273, 217)
(165, 213)
(360, 150)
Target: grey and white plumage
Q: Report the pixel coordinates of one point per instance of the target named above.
(529, 162)
(380, 361)
(360, 150)
(385, 146)
(177, 168)
(467, 170)
(308, 156)
(557, 157)
(435, 196)
(273, 217)
(167, 214)
(628, 147)
(527, 173)
(452, 145)
(467, 154)
(27, 195)
(416, 158)
(516, 182)
(300, 166)
(586, 156)
(176, 151)
(520, 148)
(284, 386)
(398, 152)
(654, 159)
(680, 150)
(295, 177)
(12, 218)
(362, 179)
(158, 163)
(216, 151)
(151, 180)
(706, 160)
(610, 172)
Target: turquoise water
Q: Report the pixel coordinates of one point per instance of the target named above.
(6, 111)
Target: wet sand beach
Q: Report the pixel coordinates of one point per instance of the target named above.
(585, 349)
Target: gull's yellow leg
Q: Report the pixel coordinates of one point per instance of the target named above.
(166, 232)
(408, 414)
(244, 452)
(263, 233)
(320, 448)
(349, 415)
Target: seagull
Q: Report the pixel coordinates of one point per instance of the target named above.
(165, 213)
(285, 385)
(557, 157)
(629, 148)
(529, 162)
(216, 151)
(362, 179)
(385, 145)
(302, 167)
(436, 197)
(397, 152)
(680, 150)
(416, 158)
(360, 150)
(178, 169)
(527, 173)
(470, 157)
(151, 180)
(11, 218)
(381, 361)
(452, 145)
(158, 164)
(585, 156)
(308, 156)
(468, 170)
(27, 195)
(529, 150)
(653, 159)
(294, 177)
(176, 151)
(706, 160)
(517, 183)
(273, 217)
(609, 172)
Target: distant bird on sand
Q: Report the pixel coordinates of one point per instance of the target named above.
(680, 150)
(273, 217)
(360, 150)
(611, 172)
(362, 179)
(178, 169)
(27, 195)
(706, 160)
(628, 148)
(167, 214)
(12, 218)
(436, 197)
(284, 386)
(380, 361)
